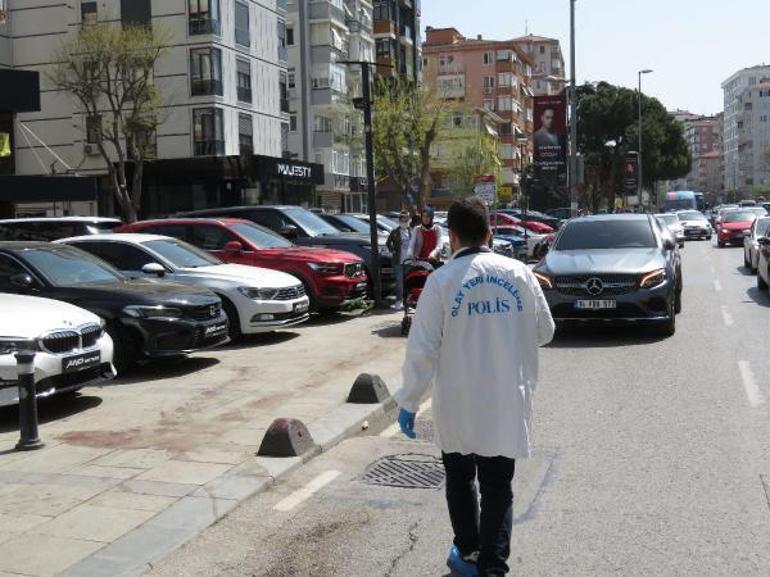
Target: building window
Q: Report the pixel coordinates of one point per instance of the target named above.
(246, 134)
(242, 36)
(290, 36)
(293, 123)
(283, 92)
(292, 78)
(243, 71)
(489, 58)
(204, 17)
(88, 14)
(206, 71)
(542, 50)
(135, 12)
(489, 105)
(285, 140)
(208, 132)
(382, 10)
(283, 52)
(505, 79)
(385, 48)
(93, 129)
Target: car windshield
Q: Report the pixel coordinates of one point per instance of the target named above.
(65, 266)
(691, 215)
(313, 224)
(668, 219)
(387, 223)
(182, 255)
(260, 237)
(508, 230)
(606, 234)
(352, 223)
(739, 216)
(763, 225)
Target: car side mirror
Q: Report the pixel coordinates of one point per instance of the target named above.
(22, 281)
(291, 232)
(153, 268)
(669, 244)
(234, 248)
(763, 241)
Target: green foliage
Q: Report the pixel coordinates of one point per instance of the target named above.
(473, 154)
(407, 121)
(109, 70)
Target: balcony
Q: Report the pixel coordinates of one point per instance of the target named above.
(283, 54)
(326, 11)
(207, 87)
(210, 148)
(451, 69)
(405, 32)
(204, 25)
(285, 105)
(323, 140)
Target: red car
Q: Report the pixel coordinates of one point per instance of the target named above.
(332, 278)
(508, 220)
(734, 226)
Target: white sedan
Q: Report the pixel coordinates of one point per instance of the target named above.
(255, 299)
(760, 228)
(72, 349)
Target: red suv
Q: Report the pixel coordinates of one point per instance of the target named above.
(331, 277)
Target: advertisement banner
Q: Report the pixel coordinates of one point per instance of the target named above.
(631, 175)
(550, 139)
(485, 187)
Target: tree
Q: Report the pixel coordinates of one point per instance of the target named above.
(407, 121)
(608, 130)
(472, 155)
(109, 70)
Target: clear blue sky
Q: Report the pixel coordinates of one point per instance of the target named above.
(693, 45)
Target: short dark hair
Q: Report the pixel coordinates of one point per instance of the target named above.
(469, 220)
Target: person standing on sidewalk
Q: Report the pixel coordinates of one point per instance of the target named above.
(426, 238)
(398, 245)
(475, 338)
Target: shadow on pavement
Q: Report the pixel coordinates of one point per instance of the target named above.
(761, 297)
(163, 369)
(598, 336)
(49, 410)
(389, 330)
(744, 271)
(261, 340)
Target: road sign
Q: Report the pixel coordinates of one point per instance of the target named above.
(485, 188)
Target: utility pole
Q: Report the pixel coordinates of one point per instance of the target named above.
(641, 180)
(573, 118)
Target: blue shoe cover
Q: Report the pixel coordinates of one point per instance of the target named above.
(459, 565)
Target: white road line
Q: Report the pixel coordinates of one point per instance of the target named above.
(727, 317)
(394, 428)
(303, 494)
(750, 384)
(713, 269)
(717, 286)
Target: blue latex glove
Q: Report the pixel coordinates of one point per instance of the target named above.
(406, 422)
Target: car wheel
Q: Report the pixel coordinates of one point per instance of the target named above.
(746, 262)
(761, 284)
(668, 329)
(720, 244)
(678, 301)
(233, 320)
(125, 353)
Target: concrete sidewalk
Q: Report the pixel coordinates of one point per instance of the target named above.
(133, 470)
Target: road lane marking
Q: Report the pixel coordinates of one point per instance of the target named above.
(727, 317)
(713, 269)
(394, 428)
(750, 384)
(717, 286)
(301, 495)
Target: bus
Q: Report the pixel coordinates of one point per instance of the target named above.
(683, 200)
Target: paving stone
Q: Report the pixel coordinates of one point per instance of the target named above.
(120, 499)
(232, 487)
(45, 500)
(4, 574)
(92, 523)
(43, 556)
(55, 460)
(214, 455)
(158, 488)
(192, 512)
(107, 472)
(134, 459)
(27, 478)
(12, 525)
(184, 472)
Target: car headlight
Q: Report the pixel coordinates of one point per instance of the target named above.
(258, 294)
(326, 268)
(12, 345)
(545, 280)
(747, 231)
(152, 312)
(653, 279)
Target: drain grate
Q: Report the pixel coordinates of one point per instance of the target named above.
(409, 471)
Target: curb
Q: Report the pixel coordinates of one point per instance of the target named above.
(134, 553)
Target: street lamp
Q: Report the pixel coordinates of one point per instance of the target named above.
(641, 181)
(573, 118)
(522, 140)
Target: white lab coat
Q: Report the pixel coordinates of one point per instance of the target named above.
(475, 338)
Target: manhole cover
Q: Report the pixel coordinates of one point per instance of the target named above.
(406, 472)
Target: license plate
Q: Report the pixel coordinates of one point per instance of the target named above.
(301, 307)
(77, 363)
(217, 330)
(596, 305)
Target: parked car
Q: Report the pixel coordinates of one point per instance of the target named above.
(503, 219)
(145, 318)
(351, 223)
(535, 216)
(695, 224)
(255, 299)
(53, 228)
(759, 229)
(332, 278)
(536, 244)
(613, 268)
(308, 229)
(672, 223)
(71, 348)
(384, 223)
(560, 213)
(734, 225)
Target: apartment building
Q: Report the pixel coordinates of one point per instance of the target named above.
(548, 71)
(325, 127)
(704, 137)
(492, 75)
(223, 135)
(397, 37)
(746, 129)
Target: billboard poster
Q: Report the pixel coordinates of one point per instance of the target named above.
(631, 175)
(485, 187)
(550, 139)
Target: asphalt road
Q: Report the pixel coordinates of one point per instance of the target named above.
(653, 458)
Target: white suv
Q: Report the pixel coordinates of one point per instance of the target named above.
(71, 348)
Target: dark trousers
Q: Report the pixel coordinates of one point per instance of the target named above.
(488, 530)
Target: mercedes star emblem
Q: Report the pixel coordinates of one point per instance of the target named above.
(594, 286)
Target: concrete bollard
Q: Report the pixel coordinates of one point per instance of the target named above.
(286, 438)
(29, 439)
(368, 390)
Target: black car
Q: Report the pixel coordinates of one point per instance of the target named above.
(613, 268)
(306, 228)
(145, 318)
(46, 229)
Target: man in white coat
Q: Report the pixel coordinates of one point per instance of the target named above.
(475, 338)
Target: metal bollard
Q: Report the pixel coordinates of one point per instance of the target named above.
(25, 367)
